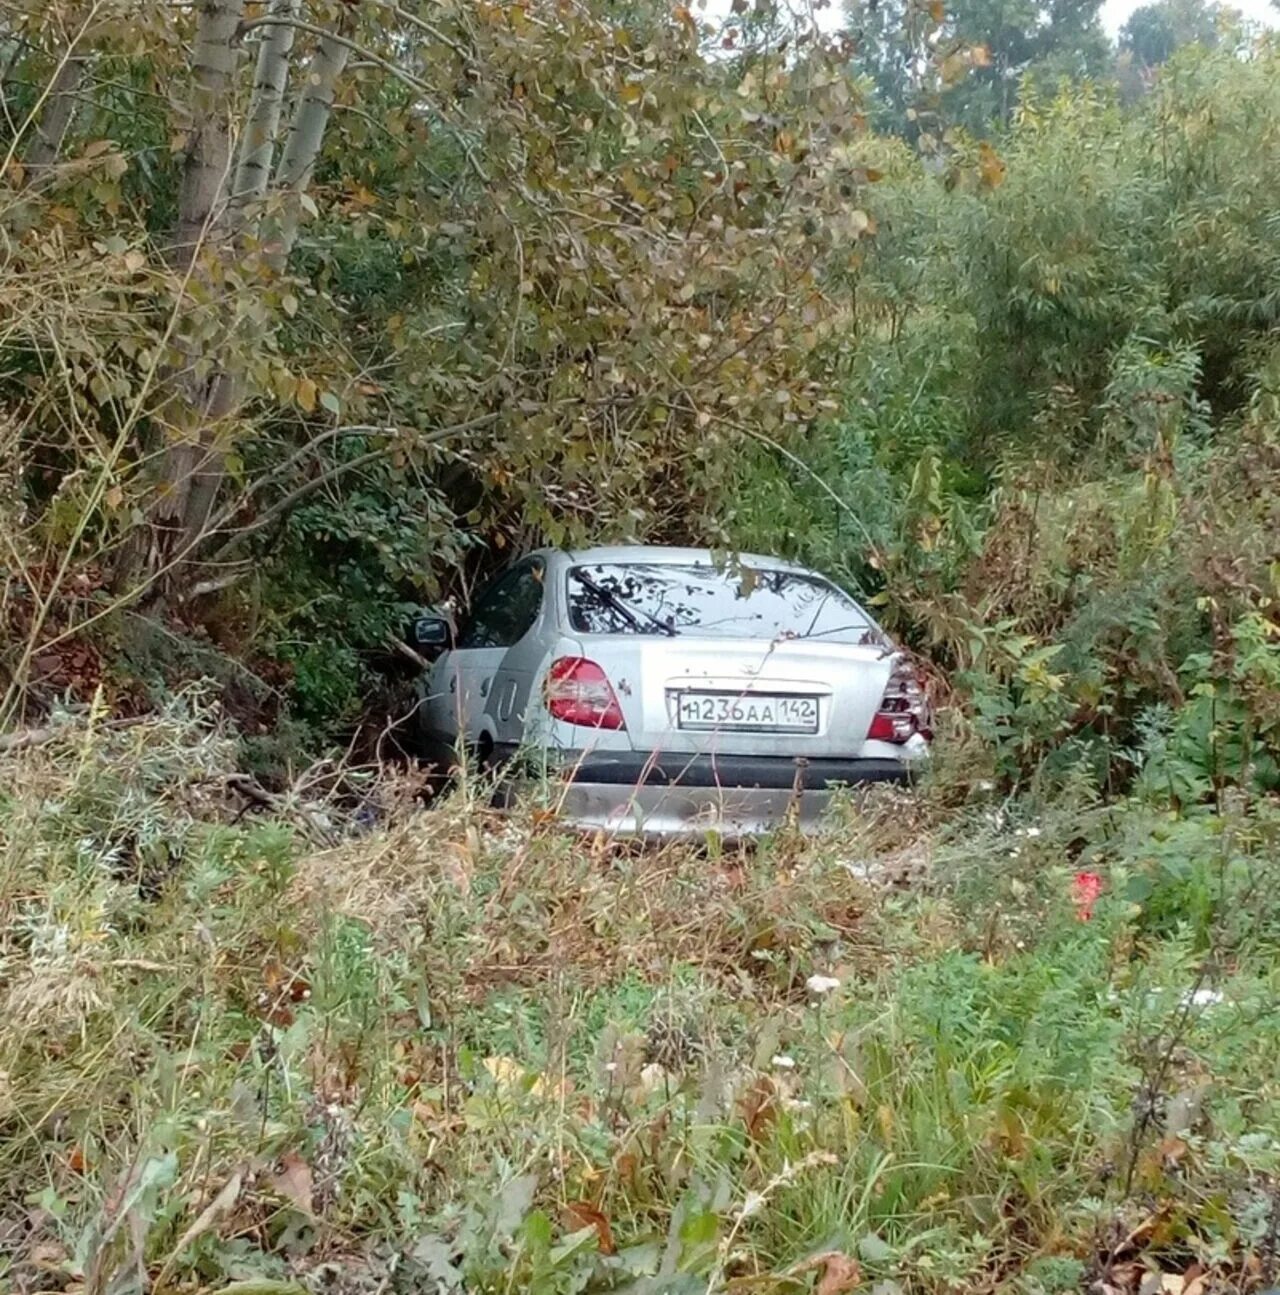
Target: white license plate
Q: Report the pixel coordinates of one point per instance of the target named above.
(746, 712)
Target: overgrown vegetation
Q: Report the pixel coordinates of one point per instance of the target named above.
(459, 1053)
(313, 313)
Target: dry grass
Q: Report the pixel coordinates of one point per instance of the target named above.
(472, 1050)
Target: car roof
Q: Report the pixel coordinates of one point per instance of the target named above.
(660, 554)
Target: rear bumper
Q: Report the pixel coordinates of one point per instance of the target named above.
(776, 772)
(633, 794)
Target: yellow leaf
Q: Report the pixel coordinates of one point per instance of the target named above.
(284, 384)
(293, 1181)
(503, 1071)
(632, 93)
(306, 396)
(114, 497)
(991, 168)
(954, 66)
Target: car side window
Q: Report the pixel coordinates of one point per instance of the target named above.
(506, 610)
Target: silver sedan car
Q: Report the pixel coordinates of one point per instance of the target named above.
(665, 691)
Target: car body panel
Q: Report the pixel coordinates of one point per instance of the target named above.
(649, 675)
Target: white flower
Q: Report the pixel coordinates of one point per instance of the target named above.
(1033, 831)
(986, 785)
(784, 1062)
(821, 984)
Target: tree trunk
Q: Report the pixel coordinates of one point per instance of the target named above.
(55, 120)
(191, 467)
(257, 151)
(302, 148)
(202, 196)
(208, 391)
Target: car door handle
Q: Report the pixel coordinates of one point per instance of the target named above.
(453, 683)
(484, 687)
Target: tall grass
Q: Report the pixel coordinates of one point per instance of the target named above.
(467, 1051)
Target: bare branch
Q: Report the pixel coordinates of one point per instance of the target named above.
(295, 496)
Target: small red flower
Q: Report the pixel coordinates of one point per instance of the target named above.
(1085, 890)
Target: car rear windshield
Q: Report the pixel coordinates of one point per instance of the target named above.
(744, 602)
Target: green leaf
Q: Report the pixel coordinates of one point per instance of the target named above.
(513, 1204)
(874, 1249)
(537, 1231)
(575, 1243)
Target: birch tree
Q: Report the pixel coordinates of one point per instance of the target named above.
(615, 246)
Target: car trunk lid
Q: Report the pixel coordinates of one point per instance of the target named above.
(790, 696)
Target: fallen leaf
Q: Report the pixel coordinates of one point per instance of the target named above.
(1172, 1151)
(49, 1255)
(293, 1181)
(1126, 1276)
(840, 1273)
(760, 1107)
(582, 1214)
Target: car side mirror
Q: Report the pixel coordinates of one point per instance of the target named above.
(432, 633)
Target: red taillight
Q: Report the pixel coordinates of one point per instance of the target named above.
(579, 692)
(904, 709)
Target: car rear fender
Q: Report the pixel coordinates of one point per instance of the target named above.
(543, 733)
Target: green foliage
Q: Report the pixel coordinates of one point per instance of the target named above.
(1154, 32)
(1064, 365)
(934, 67)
